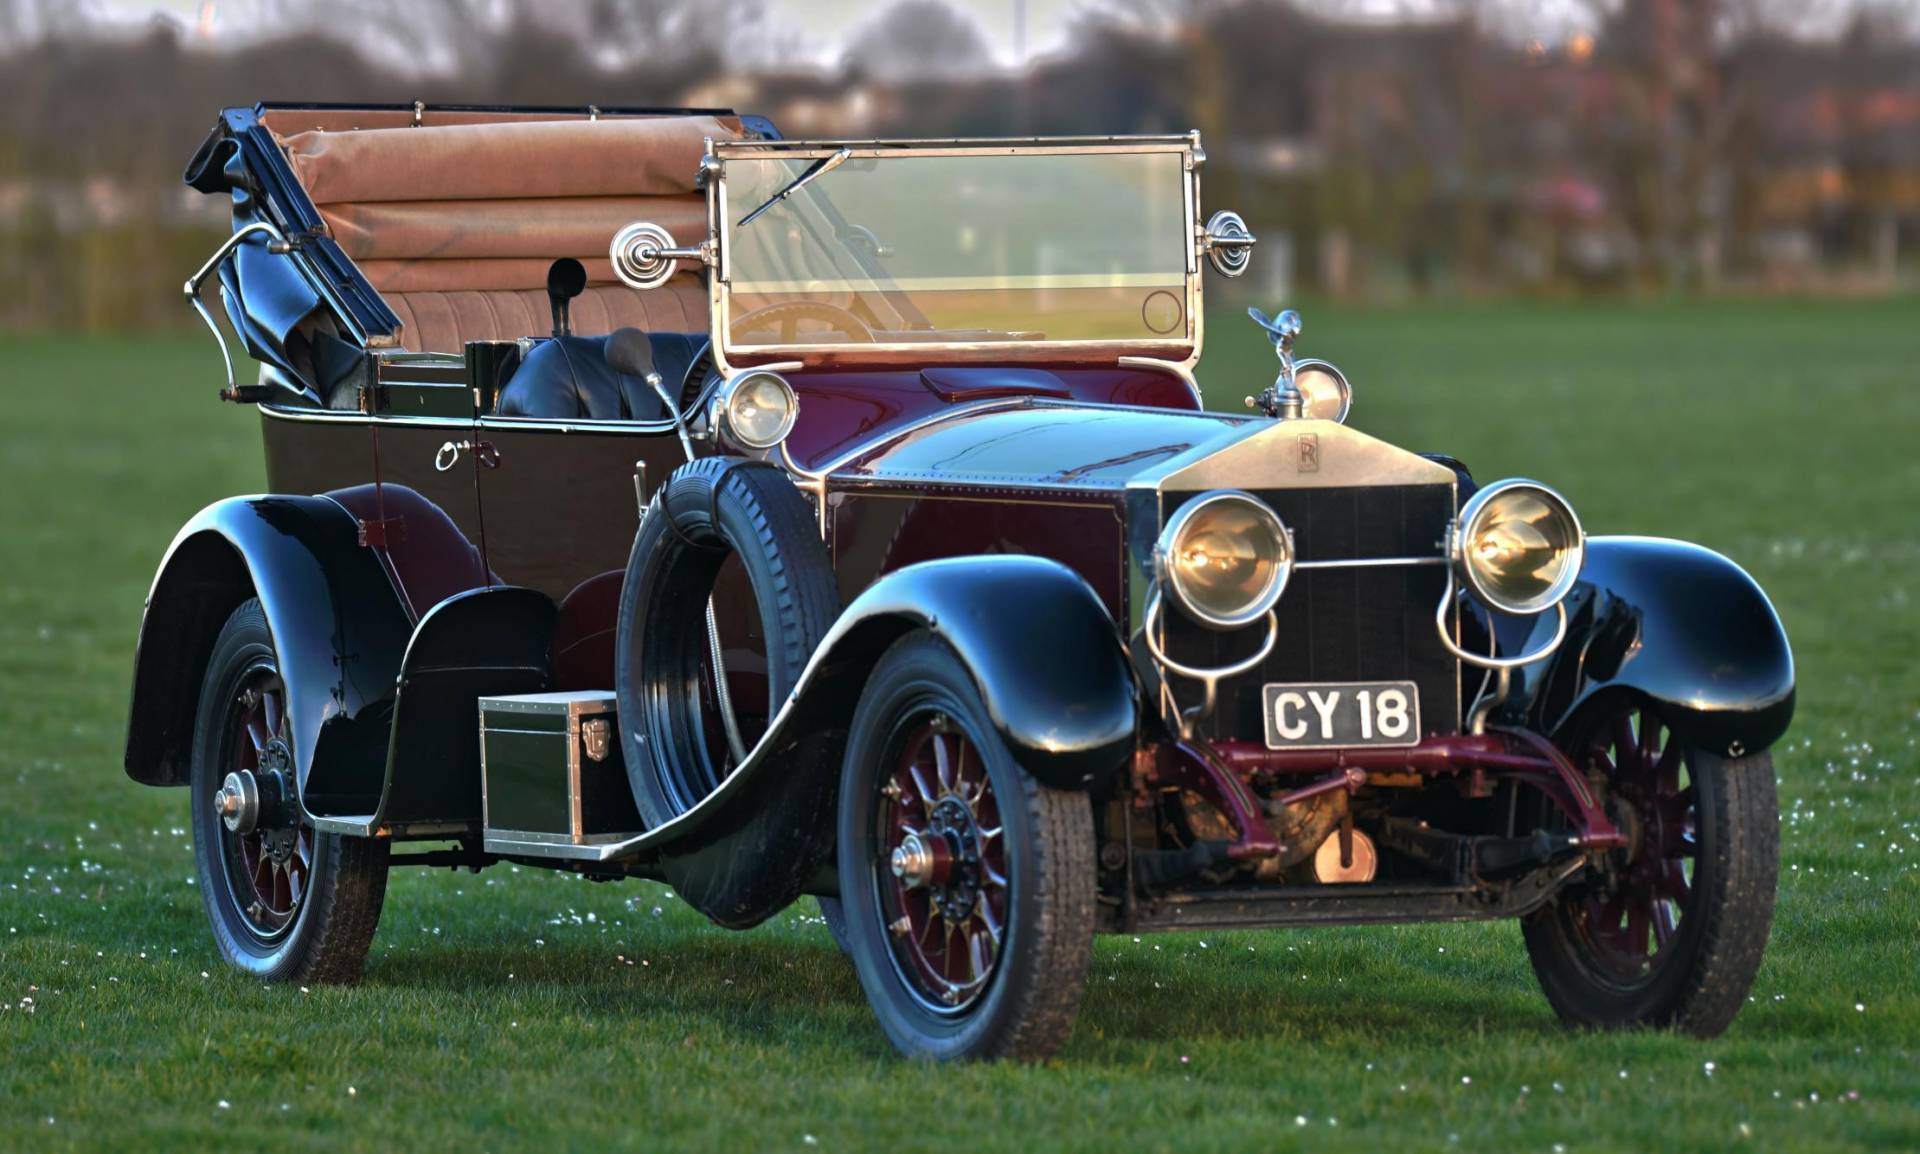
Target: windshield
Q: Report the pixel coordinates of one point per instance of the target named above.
(957, 247)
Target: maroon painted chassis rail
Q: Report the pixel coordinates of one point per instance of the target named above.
(1222, 772)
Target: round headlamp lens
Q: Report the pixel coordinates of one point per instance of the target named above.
(1521, 546)
(761, 409)
(1227, 558)
(1328, 396)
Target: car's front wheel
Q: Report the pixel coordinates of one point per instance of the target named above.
(285, 903)
(1670, 932)
(967, 886)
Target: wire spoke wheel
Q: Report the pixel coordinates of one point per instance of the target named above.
(1630, 924)
(943, 865)
(966, 886)
(268, 869)
(284, 901)
(1668, 929)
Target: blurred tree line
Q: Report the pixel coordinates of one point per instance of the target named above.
(1655, 145)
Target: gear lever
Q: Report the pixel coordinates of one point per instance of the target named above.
(566, 279)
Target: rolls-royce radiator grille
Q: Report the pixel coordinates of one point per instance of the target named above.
(1364, 623)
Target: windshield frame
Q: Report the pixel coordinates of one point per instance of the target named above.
(1180, 351)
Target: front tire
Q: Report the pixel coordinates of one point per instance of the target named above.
(285, 903)
(1671, 933)
(980, 948)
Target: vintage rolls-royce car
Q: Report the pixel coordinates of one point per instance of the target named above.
(654, 497)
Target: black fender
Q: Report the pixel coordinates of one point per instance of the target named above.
(1678, 623)
(337, 624)
(477, 643)
(1042, 649)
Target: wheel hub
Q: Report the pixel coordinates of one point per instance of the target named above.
(944, 892)
(268, 854)
(956, 878)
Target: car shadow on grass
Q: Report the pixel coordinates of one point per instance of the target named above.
(752, 988)
(785, 989)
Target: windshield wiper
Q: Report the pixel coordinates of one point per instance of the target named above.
(813, 171)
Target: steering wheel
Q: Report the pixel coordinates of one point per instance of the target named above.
(694, 385)
(787, 315)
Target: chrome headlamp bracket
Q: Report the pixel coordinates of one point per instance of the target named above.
(1182, 721)
(1502, 667)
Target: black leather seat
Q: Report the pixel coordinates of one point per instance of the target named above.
(569, 378)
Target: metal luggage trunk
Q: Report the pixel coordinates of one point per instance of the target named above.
(551, 769)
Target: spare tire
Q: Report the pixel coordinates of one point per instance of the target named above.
(708, 511)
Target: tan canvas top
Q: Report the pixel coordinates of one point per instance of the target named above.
(456, 224)
(656, 157)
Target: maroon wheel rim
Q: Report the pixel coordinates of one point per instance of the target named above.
(942, 865)
(1630, 923)
(268, 870)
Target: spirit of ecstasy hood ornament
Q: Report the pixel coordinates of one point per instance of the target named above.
(1280, 399)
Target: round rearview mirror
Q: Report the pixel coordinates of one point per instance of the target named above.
(1229, 245)
(643, 255)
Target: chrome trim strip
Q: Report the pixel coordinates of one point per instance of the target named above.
(356, 417)
(541, 844)
(525, 424)
(1369, 562)
(1169, 142)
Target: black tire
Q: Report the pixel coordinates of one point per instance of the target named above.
(1023, 1006)
(834, 914)
(325, 933)
(1698, 977)
(709, 509)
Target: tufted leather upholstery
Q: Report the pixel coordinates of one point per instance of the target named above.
(568, 377)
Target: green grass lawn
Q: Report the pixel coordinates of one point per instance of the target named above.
(522, 1009)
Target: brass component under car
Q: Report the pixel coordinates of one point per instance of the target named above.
(1334, 864)
(1299, 828)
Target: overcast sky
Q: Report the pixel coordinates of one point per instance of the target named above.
(826, 25)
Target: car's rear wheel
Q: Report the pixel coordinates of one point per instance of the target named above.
(1671, 931)
(834, 914)
(967, 886)
(285, 903)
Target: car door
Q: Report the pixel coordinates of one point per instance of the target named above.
(424, 510)
(561, 503)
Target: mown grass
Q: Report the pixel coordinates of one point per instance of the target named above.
(519, 1009)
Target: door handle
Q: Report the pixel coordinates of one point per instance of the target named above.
(449, 454)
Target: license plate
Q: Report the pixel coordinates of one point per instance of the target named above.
(1327, 714)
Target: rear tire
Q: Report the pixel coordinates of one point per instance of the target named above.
(835, 915)
(987, 957)
(1672, 934)
(285, 903)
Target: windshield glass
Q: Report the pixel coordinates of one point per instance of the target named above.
(906, 247)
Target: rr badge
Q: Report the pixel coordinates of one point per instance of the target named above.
(1308, 445)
